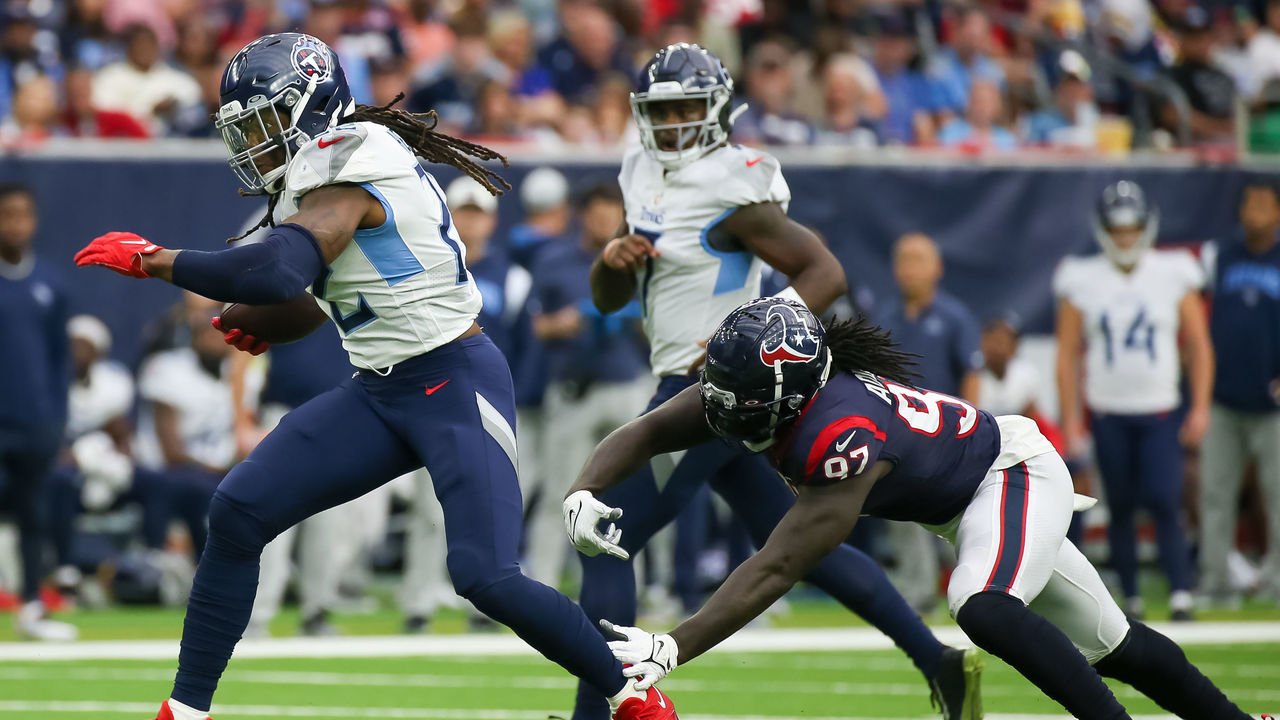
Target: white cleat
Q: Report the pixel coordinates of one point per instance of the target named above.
(32, 623)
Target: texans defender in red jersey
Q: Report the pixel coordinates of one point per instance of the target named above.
(836, 412)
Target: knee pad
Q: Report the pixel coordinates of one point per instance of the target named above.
(234, 528)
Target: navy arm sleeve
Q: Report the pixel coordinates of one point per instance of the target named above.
(275, 270)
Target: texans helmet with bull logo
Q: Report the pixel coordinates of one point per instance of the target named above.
(764, 363)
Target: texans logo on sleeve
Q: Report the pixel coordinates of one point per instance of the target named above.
(795, 343)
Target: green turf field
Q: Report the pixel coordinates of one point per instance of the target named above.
(722, 685)
(864, 684)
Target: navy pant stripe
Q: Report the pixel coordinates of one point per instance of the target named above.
(1013, 518)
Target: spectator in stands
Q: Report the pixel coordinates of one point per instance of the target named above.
(186, 428)
(1264, 48)
(544, 195)
(844, 122)
(612, 112)
(768, 119)
(427, 37)
(325, 20)
(84, 38)
(494, 118)
(33, 382)
(511, 42)
(596, 367)
(21, 54)
(455, 88)
(589, 48)
(1244, 420)
(80, 118)
(937, 327)
(910, 97)
(99, 473)
(967, 60)
(34, 115)
(979, 129)
(1072, 121)
(1209, 90)
(145, 86)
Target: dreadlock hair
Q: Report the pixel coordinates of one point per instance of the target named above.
(419, 133)
(857, 344)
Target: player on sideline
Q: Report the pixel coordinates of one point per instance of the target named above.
(369, 235)
(703, 215)
(835, 412)
(1127, 305)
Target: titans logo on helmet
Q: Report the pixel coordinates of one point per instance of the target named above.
(310, 59)
(794, 342)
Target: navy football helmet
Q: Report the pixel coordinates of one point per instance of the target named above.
(1123, 206)
(764, 364)
(278, 92)
(676, 73)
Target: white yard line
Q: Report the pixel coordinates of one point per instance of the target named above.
(765, 640)
(292, 711)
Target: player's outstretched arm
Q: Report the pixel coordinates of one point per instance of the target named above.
(819, 521)
(677, 424)
(275, 270)
(793, 250)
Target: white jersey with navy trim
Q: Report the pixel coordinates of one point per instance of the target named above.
(1130, 327)
(400, 289)
(701, 274)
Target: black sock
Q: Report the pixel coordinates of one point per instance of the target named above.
(1155, 666)
(1003, 626)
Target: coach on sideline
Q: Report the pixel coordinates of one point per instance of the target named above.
(1244, 419)
(34, 378)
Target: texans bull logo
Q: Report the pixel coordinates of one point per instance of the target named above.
(311, 60)
(795, 343)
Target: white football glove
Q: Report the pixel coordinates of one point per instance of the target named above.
(645, 655)
(582, 515)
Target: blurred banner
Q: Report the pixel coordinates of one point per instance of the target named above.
(1002, 228)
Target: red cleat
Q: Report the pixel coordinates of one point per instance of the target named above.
(167, 714)
(655, 706)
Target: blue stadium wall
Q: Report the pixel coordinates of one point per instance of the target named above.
(1002, 229)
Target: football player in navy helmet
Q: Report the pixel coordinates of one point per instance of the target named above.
(366, 231)
(703, 217)
(843, 423)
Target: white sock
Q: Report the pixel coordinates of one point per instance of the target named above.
(628, 691)
(185, 712)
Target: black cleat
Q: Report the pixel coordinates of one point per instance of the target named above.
(416, 624)
(957, 691)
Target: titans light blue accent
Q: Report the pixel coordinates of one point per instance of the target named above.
(734, 266)
(386, 249)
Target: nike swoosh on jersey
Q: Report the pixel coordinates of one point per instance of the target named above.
(750, 163)
(840, 446)
(322, 144)
(431, 390)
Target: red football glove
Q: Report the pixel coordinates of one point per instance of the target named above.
(118, 251)
(238, 340)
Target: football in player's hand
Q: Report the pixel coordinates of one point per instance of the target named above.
(285, 322)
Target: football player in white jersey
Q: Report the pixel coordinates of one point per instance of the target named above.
(367, 232)
(702, 218)
(1127, 306)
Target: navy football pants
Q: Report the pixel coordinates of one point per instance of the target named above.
(350, 440)
(1140, 461)
(655, 495)
(25, 464)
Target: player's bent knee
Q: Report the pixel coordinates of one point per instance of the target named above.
(979, 615)
(232, 527)
(473, 571)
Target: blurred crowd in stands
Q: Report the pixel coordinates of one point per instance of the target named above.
(555, 74)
